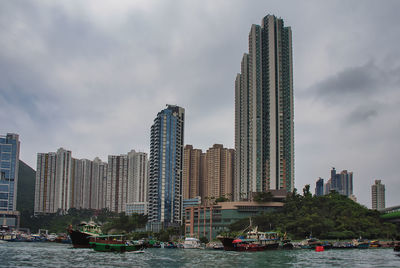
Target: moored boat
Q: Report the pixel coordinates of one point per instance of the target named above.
(310, 243)
(257, 241)
(81, 234)
(227, 242)
(361, 243)
(113, 243)
(287, 244)
(192, 243)
(375, 244)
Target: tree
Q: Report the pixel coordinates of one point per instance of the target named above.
(263, 197)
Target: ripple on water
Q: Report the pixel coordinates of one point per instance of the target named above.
(58, 255)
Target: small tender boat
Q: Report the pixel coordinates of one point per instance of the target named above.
(113, 243)
(361, 243)
(375, 244)
(192, 243)
(310, 243)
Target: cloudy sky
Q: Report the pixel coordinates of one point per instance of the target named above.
(90, 76)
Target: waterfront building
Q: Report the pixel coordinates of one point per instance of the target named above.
(378, 195)
(264, 116)
(192, 172)
(220, 172)
(165, 167)
(136, 207)
(210, 220)
(319, 187)
(9, 162)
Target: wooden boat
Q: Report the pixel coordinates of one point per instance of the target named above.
(113, 243)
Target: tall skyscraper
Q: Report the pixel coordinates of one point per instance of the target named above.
(166, 163)
(9, 162)
(192, 172)
(264, 117)
(378, 195)
(220, 170)
(319, 187)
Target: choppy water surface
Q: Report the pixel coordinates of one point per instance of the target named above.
(19, 254)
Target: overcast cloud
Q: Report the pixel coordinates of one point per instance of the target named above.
(90, 76)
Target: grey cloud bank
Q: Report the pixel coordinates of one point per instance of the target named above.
(91, 76)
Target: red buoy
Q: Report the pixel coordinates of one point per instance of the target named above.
(319, 248)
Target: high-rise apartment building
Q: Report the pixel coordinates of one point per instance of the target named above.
(9, 162)
(378, 195)
(165, 166)
(192, 172)
(264, 128)
(63, 182)
(137, 176)
(220, 172)
(117, 182)
(45, 183)
(341, 183)
(319, 187)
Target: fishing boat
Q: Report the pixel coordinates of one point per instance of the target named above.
(257, 241)
(113, 243)
(81, 234)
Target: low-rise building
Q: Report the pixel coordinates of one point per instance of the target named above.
(210, 220)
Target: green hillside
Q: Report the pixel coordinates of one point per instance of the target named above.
(26, 188)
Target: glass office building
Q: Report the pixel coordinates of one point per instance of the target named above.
(9, 162)
(165, 172)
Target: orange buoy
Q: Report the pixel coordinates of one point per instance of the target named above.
(319, 248)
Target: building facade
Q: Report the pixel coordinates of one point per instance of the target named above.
(165, 166)
(264, 116)
(192, 172)
(319, 187)
(137, 176)
(378, 195)
(341, 183)
(9, 163)
(117, 183)
(45, 183)
(220, 172)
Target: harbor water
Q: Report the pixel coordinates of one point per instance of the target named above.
(24, 254)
